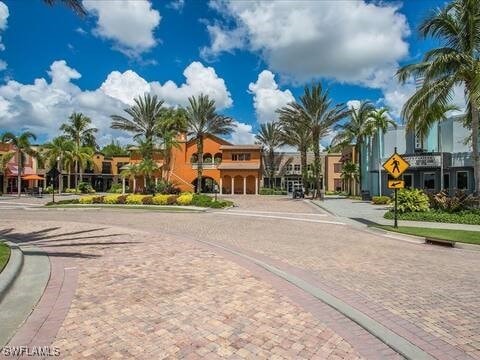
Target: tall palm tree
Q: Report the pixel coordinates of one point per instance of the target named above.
(79, 131)
(82, 157)
(296, 133)
(350, 175)
(4, 160)
(202, 119)
(319, 116)
(59, 152)
(270, 137)
(23, 147)
(172, 122)
(75, 5)
(147, 168)
(355, 131)
(456, 62)
(144, 121)
(378, 122)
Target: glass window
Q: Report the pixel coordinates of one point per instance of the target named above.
(297, 167)
(337, 168)
(408, 178)
(429, 181)
(241, 157)
(462, 180)
(289, 167)
(446, 181)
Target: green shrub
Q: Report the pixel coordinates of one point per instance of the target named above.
(71, 191)
(220, 204)
(412, 200)
(458, 202)
(63, 202)
(185, 199)
(172, 200)
(462, 217)
(381, 200)
(147, 200)
(48, 190)
(134, 199)
(115, 189)
(201, 200)
(111, 199)
(160, 199)
(85, 188)
(166, 187)
(86, 199)
(267, 191)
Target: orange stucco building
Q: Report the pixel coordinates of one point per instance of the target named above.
(235, 169)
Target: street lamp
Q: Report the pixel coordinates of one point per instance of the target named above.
(53, 189)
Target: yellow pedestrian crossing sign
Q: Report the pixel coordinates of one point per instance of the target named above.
(396, 165)
(396, 184)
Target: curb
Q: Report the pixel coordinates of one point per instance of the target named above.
(321, 207)
(11, 270)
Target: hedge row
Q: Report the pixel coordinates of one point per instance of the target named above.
(183, 199)
(268, 191)
(463, 217)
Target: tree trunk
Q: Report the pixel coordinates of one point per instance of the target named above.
(359, 156)
(475, 155)
(303, 164)
(199, 164)
(5, 183)
(318, 170)
(76, 175)
(19, 172)
(271, 167)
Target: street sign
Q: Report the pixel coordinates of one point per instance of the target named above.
(396, 184)
(396, 165)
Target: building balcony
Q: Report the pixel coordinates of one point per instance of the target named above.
(205, 166)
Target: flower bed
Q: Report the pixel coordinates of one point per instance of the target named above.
(183, 199)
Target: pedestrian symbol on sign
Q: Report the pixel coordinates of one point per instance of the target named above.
(395, 165)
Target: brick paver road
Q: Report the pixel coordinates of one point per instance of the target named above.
(428, 295)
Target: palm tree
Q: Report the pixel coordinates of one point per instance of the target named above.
(378, 122)
(202, 119)
(144, 121)
(147, 168)
(350, 174)
(270, 137)
(131, 172)
(79, 131)
(318, 115)
(23, 147)
(75, 5)
(456, 62)
(59, 152)
(355, 131)
(82, 157)
(4, 160)
(296, 133)
(172, 122)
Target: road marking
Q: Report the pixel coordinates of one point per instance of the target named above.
(281, 217)
(19, 203)
(276, 212)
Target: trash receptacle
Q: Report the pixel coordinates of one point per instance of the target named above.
(366, 195)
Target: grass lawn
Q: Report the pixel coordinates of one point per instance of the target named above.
(470, 237)
(4, 255)
(123, 207)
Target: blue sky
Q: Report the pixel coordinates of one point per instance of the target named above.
(98, 63)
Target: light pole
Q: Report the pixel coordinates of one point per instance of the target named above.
(53, 189)
(379, 163)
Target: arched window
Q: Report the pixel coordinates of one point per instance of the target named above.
(217, 158)
(194, 159)
(207, 158)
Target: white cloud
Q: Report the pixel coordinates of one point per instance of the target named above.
(130, 24)
(243, 134)
(198, 79)
(349, 41)
(176, 5)
(267, 98)
(45, 104)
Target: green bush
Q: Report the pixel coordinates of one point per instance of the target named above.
(63, 202)
(471, 217)
(115, 189)
(166, 187)
(71, 191)
(412, 200)
(267, 191)
(48, 190)
(201, 200)
(134, 199)
(185, 199)
(85, 188)
(160, 199)
(458, 202)
(220, 204)
(147, 200)
(111, 199)
(381, 200)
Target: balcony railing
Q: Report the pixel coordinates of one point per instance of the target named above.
(205, 165)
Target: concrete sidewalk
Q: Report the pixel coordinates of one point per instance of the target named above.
(360, 213)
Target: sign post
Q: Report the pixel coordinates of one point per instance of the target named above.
(396, 166)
